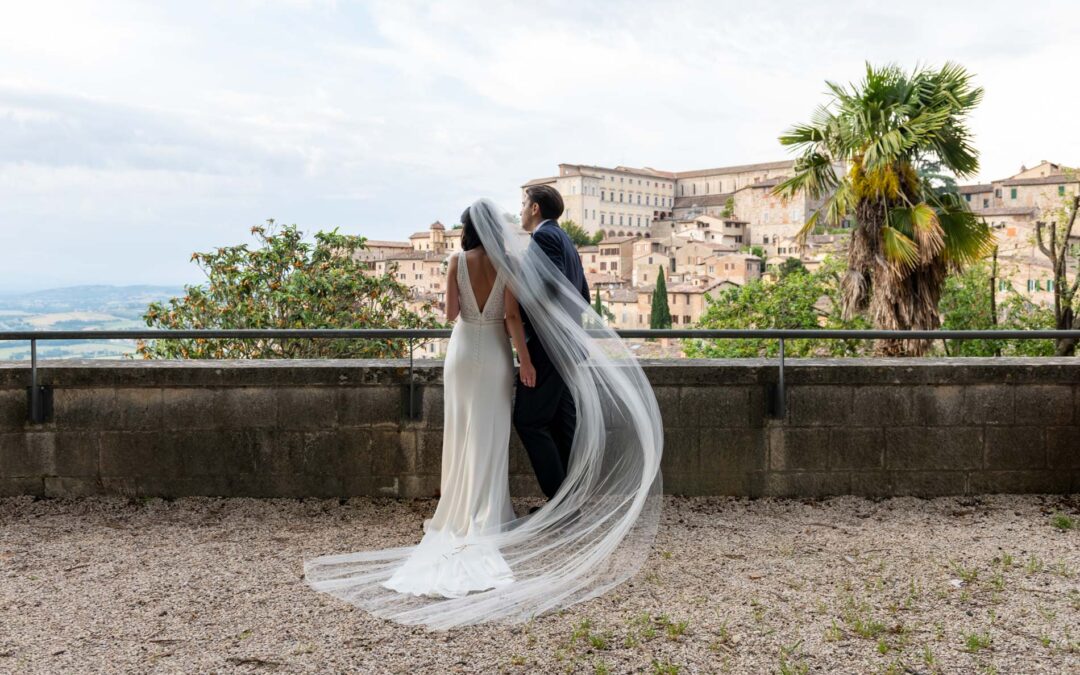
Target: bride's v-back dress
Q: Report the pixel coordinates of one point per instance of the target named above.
(478, 380)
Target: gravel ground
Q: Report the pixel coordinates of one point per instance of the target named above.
(845, 585)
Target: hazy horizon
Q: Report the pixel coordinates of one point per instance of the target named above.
(134, 134)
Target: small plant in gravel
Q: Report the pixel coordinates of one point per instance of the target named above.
(1034, 565)
(787, 667)
(928, 656)
(517, 660)
(665, 668)
(601, 668)
(676, 629)
(998, 581)
(1007, 560)
(968, 574)
(1062, 521)
(882, 646)
(666, 555)
(1063, 570)
(1045, 641)
(833, 633)
(974, 642)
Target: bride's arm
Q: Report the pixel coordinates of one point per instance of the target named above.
(517, 334)
(452, 298)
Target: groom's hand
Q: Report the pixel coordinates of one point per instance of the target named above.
(527, 373)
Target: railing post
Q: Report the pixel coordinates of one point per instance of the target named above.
(412, 382)
(35, 395)
(779, 399)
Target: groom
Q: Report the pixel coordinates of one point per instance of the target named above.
(545, 415)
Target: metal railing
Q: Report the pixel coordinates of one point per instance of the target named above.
(778, 406)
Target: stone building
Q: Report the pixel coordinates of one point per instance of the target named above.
(624, 201)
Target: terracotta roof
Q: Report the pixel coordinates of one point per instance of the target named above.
(617, 240)
(437, 226)
(690, 201)
(595, 279)
(540, 181)
(588, 249)
(975, 189)
(763, 166)
(406, 255)
(420, 235)
(378, 243)
(1056, 179)
(1007, 211)
(622, 295)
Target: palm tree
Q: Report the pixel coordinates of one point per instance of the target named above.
(897, 134)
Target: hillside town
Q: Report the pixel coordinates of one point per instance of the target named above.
(713, 229)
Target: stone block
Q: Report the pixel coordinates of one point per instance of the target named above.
(729, 452)
(856, 448)
(84, 408)
(988, 404)
(1015, 448)
(1019, 482)
(882, 406)
(393, 453)
(429, 447)
(356, 451)
(369, 406)
(715, 406)
(247, 407)
(185, 408)
(1044, 405)
(419, 487)
(303, 408)
(24, 485)
(680, 451)
(66, 486)
(138, 454)
(138, 408)
(215, 453)
(927, 448)
(798, 448)
(13, 409)
(667, 398)
(1063, 447)
(432, 413)
(820, 405)
(29, 454)
(928, 483)
(77, 453)
(807, 484)
(938, 405)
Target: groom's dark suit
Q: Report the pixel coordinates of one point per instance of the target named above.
(544, 415)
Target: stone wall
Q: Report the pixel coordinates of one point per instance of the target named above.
(341, 428)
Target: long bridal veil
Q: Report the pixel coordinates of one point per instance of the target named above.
(599, 527)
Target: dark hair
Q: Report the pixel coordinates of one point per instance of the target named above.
(469, 238)
(548, 199)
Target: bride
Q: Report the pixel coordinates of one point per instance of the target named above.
(477, 561)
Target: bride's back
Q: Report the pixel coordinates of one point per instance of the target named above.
(482, 275)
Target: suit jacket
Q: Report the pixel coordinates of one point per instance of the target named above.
(556, 244)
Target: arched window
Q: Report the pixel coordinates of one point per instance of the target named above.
(620, 196)
(682, 190)
(693, 189)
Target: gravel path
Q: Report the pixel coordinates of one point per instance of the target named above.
(843, 585)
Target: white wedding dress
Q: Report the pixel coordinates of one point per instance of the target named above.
(478, 381)
(476, 562)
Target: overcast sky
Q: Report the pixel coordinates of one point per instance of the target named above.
(132, 134)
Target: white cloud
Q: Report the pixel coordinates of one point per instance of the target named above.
(177, 126)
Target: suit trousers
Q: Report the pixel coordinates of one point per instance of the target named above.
(545, 418)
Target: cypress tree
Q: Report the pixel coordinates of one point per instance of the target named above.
(661, 314)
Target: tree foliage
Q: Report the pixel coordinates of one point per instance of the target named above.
(966, 305)
(285, 282)
(579, 236)
(661, 313)
(797, 300)
(902, 137)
